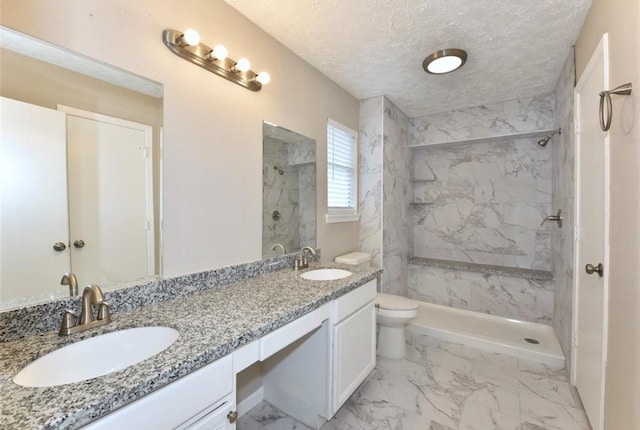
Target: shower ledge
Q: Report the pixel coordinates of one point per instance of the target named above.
(485, 139)
(517, 272)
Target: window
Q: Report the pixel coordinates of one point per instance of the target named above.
(342, 192)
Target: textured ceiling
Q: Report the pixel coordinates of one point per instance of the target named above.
(376, 47)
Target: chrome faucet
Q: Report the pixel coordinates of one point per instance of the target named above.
(301, 262)
(91, 296)
(70, 280)
(279, 245)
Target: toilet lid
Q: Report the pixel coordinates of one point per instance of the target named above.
(395, 303)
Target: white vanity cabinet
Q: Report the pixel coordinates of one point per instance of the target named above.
(354, 341)
(308, 369)
(202, 400)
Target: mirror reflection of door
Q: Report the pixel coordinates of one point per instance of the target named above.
(32, 163)
(111, 197)
(76, 196)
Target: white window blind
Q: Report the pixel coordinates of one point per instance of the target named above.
(341, 170)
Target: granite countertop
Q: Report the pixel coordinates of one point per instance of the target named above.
(211, 324)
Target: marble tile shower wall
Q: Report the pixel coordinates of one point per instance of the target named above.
(518, 116)
(397, 238)
(522, 298)
(291, 193)
(384, 190)
(563, 153)
(485, 200)
(370, 178)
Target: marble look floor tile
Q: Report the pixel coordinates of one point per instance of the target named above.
(496, 398)
(448, 387)
(247, 423)
(475, 417)
(365, 415)
(549, 388)
(266, 417)
(412, 387)
(542, 369)
(551, 415)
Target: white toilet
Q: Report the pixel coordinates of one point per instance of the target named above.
(393, 314)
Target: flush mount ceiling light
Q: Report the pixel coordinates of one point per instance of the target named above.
(444, 61)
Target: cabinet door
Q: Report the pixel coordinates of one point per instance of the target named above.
(354, 351)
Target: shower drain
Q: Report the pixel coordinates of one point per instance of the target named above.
(531, 340)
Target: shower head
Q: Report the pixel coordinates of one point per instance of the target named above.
(543, 142)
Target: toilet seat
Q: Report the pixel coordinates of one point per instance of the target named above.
(392, 302)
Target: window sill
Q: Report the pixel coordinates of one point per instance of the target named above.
(336, 218)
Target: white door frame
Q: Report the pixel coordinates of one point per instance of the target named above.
(148, 144)
(601, 53)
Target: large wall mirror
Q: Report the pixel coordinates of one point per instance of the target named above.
(288, 191)
(80, 172)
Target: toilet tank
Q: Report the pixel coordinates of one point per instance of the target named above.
(359, 259)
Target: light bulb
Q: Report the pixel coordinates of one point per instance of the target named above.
(219, 52)
(190, 37)
(445, 64)
(263, 78)
(243, 65)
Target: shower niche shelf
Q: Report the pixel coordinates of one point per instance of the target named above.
(485, 139)
(487, 269)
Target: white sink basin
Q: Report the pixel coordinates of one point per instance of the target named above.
(326, 274)
(96, 356)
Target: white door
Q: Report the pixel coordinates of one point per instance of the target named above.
(592, 164)
(33, 195)
(111, 198)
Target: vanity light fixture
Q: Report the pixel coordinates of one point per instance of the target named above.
(444, 61)
(187, 45)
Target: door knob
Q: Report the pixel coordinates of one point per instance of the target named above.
(79, 243)
(232, 416)
(590, 269)
(59, 246)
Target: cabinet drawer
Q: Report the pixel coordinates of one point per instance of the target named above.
(275, 341)
(172, 405)
(354, 300)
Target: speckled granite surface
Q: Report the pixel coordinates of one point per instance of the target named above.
(538, 275)
(34, 319)
(211, 323)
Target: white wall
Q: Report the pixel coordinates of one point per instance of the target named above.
(621, 19)
(212, 128)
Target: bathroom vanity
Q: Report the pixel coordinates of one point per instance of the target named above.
(313, 340)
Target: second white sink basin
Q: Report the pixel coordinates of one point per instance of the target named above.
(326, 274)
(96, 356)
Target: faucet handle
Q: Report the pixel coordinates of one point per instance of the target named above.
(68, 321)
(103, 311)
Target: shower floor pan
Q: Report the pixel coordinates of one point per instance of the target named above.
(527, 340)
